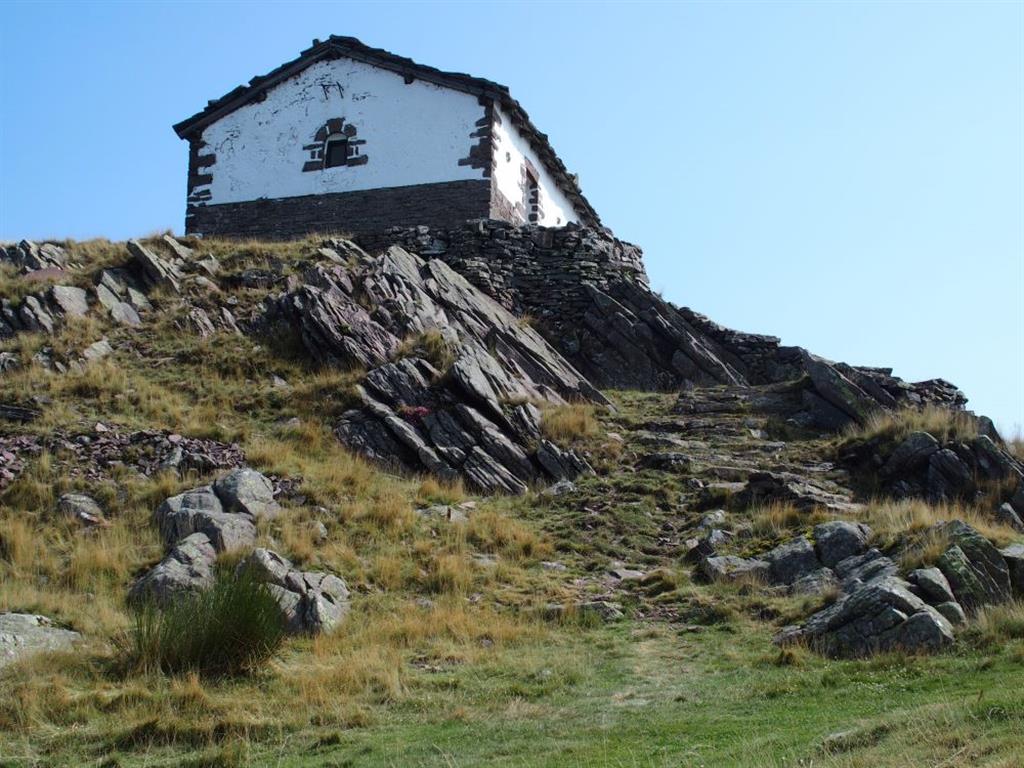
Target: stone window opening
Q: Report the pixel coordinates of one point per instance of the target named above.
(334, 145)
(335, 150)
(532, 198)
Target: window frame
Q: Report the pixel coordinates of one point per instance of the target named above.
(336, 139)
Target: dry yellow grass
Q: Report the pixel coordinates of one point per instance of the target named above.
(565, 424)
(892, 520)
(778, 520)
(942, 423)
(435, 491)
(497, 533)
(430, 345)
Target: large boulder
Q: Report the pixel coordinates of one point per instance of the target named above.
(867, 568)
(731, 568)
(1013, 556)
(975, 569)
(838, 540)
(949, 476)
(23, 634)
(200, 511)
(932, 586)
(187, 569)
(246, 491)
(157, 271)
(312, 601)
(71, 301)
(910, 455)
(880, 616)
(838, 390)
(791, 561)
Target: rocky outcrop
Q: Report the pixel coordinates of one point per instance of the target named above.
(187, 569)
(226, 512)
(590, 295)
(452, 376)
(880, 611)
(919, 465)
(311, 601)
(28, 256)
(24, 634)
(200, 524)
(882, 615)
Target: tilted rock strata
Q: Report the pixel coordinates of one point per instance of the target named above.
(475, 420)
(879, 611)
(922, 467)
(591, 296)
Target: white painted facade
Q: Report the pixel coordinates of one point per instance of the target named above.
(510, 150)
(415, 134)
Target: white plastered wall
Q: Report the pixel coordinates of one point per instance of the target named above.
(510, 151)
(415, 133)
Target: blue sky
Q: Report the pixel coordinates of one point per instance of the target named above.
(847, 176)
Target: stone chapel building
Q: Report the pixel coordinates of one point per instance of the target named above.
(352, 138)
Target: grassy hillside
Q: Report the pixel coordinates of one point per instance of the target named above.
(451, 655)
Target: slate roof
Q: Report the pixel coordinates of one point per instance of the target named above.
(349, 47)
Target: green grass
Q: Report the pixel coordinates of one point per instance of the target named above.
(628, 695)
(233, 628)
(445, 658)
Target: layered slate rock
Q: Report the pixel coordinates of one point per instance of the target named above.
(921, 466)
(592, 298)
(474, 416)
(23, 634)
(311, 601)
(882, 615)
(765, 488)
(976, 571)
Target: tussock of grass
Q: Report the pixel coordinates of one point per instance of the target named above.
(779, 520)
(941, 423)
(892, 521)
(430, 345)
(493, 532)
(995, 626)
(435, 491)
(234, 627)
(564, 424)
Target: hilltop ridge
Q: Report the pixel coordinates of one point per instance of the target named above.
(458, 462)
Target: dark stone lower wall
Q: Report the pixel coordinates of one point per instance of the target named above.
(541, 271)
(444, 205)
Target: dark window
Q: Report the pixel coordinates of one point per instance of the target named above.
(335, 151)
(532, 198)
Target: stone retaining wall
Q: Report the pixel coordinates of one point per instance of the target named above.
(531, 270)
